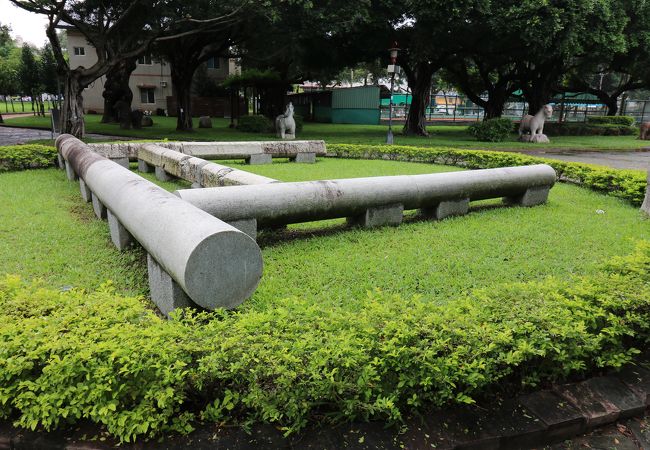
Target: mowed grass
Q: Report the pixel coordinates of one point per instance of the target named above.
(48, 232)
(441, 135)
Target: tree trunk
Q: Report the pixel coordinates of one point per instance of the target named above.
(182, 81)
(612, 105)
(420, 82)
(116, 89)
(73, 112)
(496, 101)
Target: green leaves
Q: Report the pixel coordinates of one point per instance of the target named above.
(70, 356)
(20, 157)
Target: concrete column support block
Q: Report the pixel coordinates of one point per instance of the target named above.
(119, 235)
(162, 175)
(305, 158)
(259, 158)
(533, 196)
(60, 161)
(196, 186)
(69, 171)
(124, 162)
(165, 292)
(646, 202)
(248, 226)
(99, 208)
(86, 193)
(449, 208)
(144, 166)
(379, 216)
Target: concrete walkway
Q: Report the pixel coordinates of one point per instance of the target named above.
(639, 160)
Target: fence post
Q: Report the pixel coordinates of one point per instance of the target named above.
(645, 103)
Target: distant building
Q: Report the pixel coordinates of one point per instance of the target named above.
(150, 82)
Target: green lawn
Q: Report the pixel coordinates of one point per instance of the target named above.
(17, 108)
(51, 234)
(442, 135)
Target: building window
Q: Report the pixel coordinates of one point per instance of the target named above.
(147, 95)
(79, 51)
(145, 59)
(213, 63)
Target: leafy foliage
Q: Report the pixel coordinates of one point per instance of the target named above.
(491, 130)
(589, 129)
(32, 156)
(67, 356)
(255, 124)
(612, 120)
(626, 184)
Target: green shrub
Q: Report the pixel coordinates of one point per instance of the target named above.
(588, 129)
(491, 130)
(627, 184)
(612, 120)
(255, 124)
(72, 356)
(21, 157)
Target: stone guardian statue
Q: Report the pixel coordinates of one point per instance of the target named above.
(535, 126)
(285, 125)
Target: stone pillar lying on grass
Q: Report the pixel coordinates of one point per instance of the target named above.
(201, 173)
(646, 202)
(374, 201)
(214, 264)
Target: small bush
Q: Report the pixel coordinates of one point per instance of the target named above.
(588, 129)
(21, 157)
(491, 130)
(611, 120)
(255, 124)
(627, 184)
(72, 356)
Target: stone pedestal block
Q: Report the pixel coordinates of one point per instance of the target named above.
(305, 158)
(196, 186)
(646, 202)
(260, 158)
(379, 216)
(69, 171)
(162, 175)
(99, 208)
(119, 235)
(533, 196)
(248, 226)
(86, 194)
(144, 166)
(205, 122)
(124, 162)
(446, 209)
(165, 292)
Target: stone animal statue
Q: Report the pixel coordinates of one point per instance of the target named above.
(535, 125)
(285, 125)
(644, 131)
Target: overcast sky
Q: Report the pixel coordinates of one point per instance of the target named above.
(30, 27)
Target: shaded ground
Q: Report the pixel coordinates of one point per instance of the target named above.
(639, 160)
(12, 136)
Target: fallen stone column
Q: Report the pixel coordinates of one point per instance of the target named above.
(645, 207)
(199, 172)
(190, 252)
(372, 201)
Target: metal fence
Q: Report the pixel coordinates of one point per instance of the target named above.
(570, 111)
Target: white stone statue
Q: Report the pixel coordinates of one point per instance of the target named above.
(535, 125)
(285, 125)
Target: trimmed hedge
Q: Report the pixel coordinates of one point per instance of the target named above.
(31, 156)
(255, 124)
(491, 130)
(626, 184)
(612, 120)
(588, 129)
(72, 356)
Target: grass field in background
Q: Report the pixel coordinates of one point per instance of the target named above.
(441, 135)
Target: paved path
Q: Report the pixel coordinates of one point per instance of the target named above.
(619, 160)
(11, 136)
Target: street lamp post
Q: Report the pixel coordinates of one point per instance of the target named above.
(391, 69)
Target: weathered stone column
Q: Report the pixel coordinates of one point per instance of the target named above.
(213, 263)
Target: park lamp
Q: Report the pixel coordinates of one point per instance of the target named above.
(391, 69)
